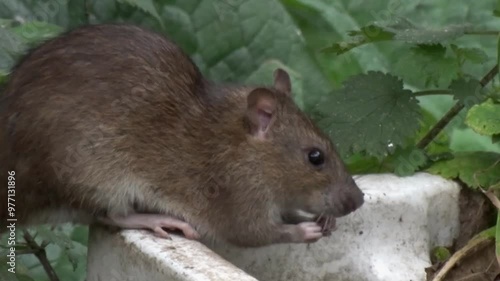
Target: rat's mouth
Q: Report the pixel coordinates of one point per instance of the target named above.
(326, 221)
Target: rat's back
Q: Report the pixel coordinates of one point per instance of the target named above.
(70, 105)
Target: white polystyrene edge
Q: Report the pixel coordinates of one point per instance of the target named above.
(202, 263)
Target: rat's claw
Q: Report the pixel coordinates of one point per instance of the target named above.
(161, 233)
(155, 222)
(188, 231)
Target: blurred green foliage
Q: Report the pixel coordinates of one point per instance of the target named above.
(371, 77)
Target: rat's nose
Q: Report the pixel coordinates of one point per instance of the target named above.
(351, 198)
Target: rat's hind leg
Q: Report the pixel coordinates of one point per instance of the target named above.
(154, 222)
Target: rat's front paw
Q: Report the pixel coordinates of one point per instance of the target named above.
(155, 222)
(309, 232)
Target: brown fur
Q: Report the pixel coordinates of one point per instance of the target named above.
(113, 119)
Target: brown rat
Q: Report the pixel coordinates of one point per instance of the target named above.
(115, 123)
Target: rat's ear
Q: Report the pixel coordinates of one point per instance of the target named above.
(282, 81)
(261, 110)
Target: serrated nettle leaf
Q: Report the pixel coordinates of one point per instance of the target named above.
(54, 236)
(372, 32)
(427, 65)
(419, 35)
(476, 169)
(473, 55)
(484, 118)
(358, 164)
(147, 6)
(468, 91)
(408, 161)
(74, 256)
(370, 112)
(233, 48)
(405, 33)
(367, 34)
(227, 8)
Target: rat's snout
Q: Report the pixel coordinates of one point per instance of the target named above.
(348, 198)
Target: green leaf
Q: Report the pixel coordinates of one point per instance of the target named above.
(11, 48)
(361, 164)
(476, 169)
(147, 6)
(80, 234)
(264, 75)
(367, 34)
(371, 113)
(495, 138)
(484, 118)
(54, 236)
(474, 55)
(496, 11)
(407, 161)
(35, 32)
(232, 48)
(403, 31)
(73, 257)
(468, 91)
(441, 254)
(426, 65)
(319, 22)
(418, 35)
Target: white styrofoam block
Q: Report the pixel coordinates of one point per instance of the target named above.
(388, 239)
(137, 255)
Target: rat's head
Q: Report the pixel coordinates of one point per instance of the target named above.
(295, 157)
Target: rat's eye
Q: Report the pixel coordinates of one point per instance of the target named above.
(316, 157)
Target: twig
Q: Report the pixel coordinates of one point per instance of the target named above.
(446, 119)
(477, 243)
(40, 253)
(26, 252)
(489, 76)
(493, 198)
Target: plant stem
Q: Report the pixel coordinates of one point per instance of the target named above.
(446, 119)
(484, 32)
(439, 126)
(478, 242)
(433, 92)
(488, 77)
(39, 252)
